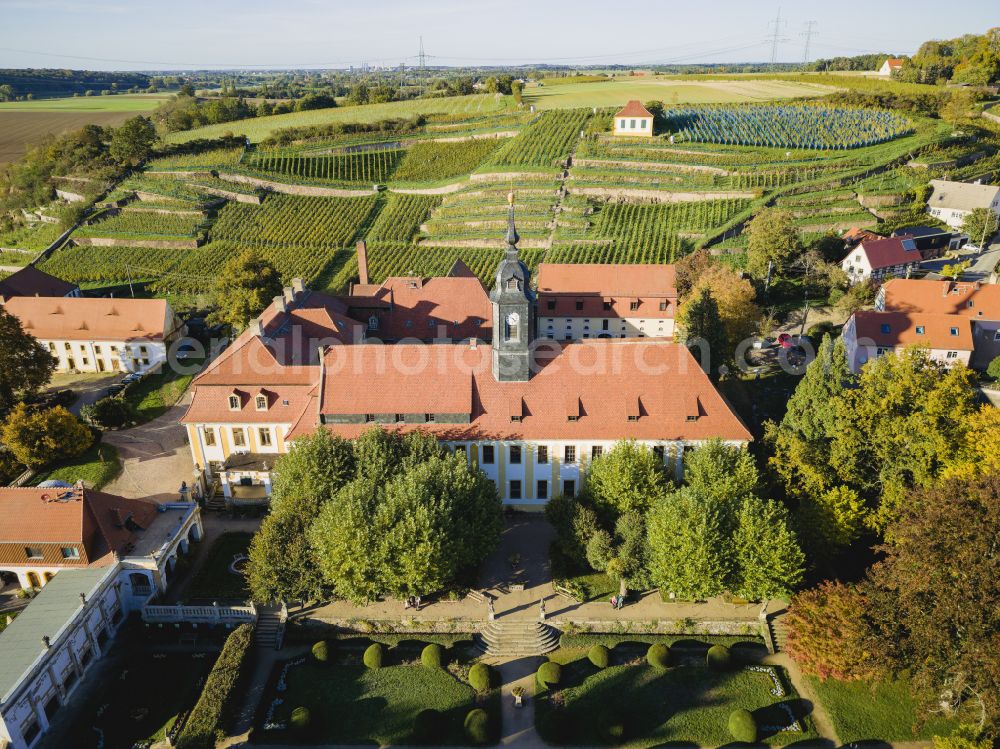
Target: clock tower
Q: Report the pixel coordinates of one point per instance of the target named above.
(513, 312)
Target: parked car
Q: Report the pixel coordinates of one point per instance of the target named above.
(115, 389)
(185, 350)
(130, 378)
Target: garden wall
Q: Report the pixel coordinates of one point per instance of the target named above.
(287, 189)
(660, 196)
(660, 627)
(160, 244)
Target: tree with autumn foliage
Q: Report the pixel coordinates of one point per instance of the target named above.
(734, 297)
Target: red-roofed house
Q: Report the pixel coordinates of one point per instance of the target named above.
(633, 119)
(978, 302)
(891, 65)
(100, 335)
(878, 259)
(868, 335)
(578, 301)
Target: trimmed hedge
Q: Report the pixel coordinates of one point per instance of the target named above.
(658, 655)
(477, 726)
(479, 677)
(612, 728)
(374, 655)
(599, 656)
(742, 726)
(432, 656)
(301, 719)
(719, 658)
(205, 719)
(549, 674)
(321, 652)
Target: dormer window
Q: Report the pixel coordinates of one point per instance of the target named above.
(920, 330)
(634, 305)
(373, 322)
(234, 402)
(886, 328)
(579, 304)
(954, 331)
(261, 402)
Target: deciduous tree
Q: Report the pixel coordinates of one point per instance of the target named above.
(246, 286)
(27, 366)
(980, 223)
(768, 559)
(628, 478)
(772, 237)
(734, 297)
(621, 555)
(132, 141)
(38, 437)
(702, 327)
(721, 473)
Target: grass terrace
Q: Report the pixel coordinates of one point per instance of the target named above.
(155, 394)
(96, 467)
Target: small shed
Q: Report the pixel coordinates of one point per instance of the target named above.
(634, 119)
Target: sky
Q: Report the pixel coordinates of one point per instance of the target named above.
(265, 34)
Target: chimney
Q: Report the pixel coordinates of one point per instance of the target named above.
(46, 642)
(289, 294)
(299, 285)
(279, 304)
(83, 599)
(256, 328)
(362, 262)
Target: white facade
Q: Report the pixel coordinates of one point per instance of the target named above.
(861, 352)
(951, 202)
(858, 269)
(576, 328)
(106, 356)
(633, 126)
(212, 444)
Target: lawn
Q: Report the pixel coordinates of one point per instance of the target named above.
(885, 711)
(214, 581)
(97, 467)
(354, 705)
(687, 702)
(258, 128)
(153, 395)
(117, 103)
(140, 699)
(616, 93)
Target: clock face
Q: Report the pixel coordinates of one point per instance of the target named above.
(513, 318)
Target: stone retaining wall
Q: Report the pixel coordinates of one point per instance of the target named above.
(239, 197)
(160, 244)
(659, 196)
(650, 166)
(287, 189)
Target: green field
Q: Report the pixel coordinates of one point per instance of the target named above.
(257, 129)
(117, 103)
(616, 93)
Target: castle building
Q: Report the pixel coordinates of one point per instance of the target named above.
(530, 411)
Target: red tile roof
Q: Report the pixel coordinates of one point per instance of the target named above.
(633, 109)
(607, 380)
(453, 307)
(29, 281)
(895, 63)
(285, 403)
(72, 516)
(593, 285)
(856, 234)
(98, 319)
(885, 253)
(894, 329)
(975, 300)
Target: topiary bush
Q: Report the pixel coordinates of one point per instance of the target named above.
(599, 656)
(549, 674)
(374, 656)
(993, 370)
(432, 656)
(301, 720)
(321, 652)
(658, 655)
(742, 726)
(479, 677)
(477, 726)
(719, 658)
(428, 727)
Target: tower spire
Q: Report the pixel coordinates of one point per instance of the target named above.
(512, 236)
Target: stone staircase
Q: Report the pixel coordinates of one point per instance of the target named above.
(512, 638)
(268, 633)
(779, 632)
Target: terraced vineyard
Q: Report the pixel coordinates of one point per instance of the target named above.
(135, 223)
(210, 159)
(401, 217)
(373, 166)
(294, 221)
(437, 160)
(546, 142)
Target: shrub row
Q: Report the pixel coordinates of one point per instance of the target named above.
(206, 718)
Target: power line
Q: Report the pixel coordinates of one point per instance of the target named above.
(808, 34)
(422, 57)
(776, 36)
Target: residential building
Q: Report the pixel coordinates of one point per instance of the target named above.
(951, 202)
(29, 281)
(127, 548)
(100, 335)
(891, 65)
(976, 301)
(577, 301)
(633, 119)
(931, 241)
(530, 412)
(870, 334)
(855, 235)
(879, 259)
